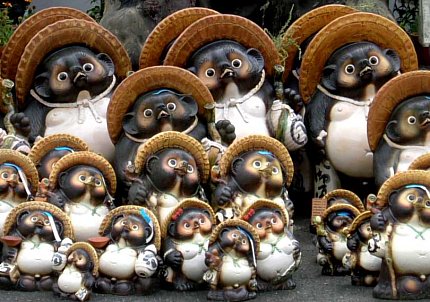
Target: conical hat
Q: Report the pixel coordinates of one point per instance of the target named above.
(172, 139)
(149, 79)
(421, 163)
(14, 48)
(267, 203)
(366, 215)
(309, 24)
(131, 210)
(390, 95)
(218, 27)
(91, 252)
(22, 161)
(258, 142)
(64, 33)
(168, 30)
(84, 158)
(46, 144)
(185, 204)
(340, 207)
(419, 177)
(351, 196)
(39, 206)
(352, 28)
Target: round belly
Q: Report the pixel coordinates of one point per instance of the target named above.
(235, 272)
(85, 223)
(370, 262)
(70, 282)
(274, 266)
(406, 157)
(118, 264)
(194, 268)
(4, 211)
(36, 261)
(339, 249)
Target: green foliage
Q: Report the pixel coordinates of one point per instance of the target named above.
(6, 26)
(96, 12)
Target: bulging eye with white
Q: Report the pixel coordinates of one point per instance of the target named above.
(98, 182)
(412, 120)
(256, 164)
(187, 225)
(210, 72)
(236, 63)
(34, 219)
(259, 225)
(190, 169)
(234, 235)
(82, 178)
(427, 204)
(5, 175)
(172, 162)
(135, 227)
(411, 197)
(202, 221)
(243, 241)
(62, 76)
(46, 222)
(171, 106)
(124, 222)
(147, 113)
(374, 60)
(349, 69)
(275, 170)
(273, 220)
(88, 67)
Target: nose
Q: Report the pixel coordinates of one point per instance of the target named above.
(268, 224)
(363, 63)
(196, 224)
(425, 114)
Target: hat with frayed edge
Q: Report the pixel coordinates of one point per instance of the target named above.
(267, 203)
(346, 194)
(91, 252)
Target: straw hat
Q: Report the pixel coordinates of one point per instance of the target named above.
(61, 34)
(360, 219)
(14, 48)
(309, 24)
(218, 27)
(39, 206)
(340, 207)
(266, 203)
(390, 95)
(149, 79)
(421, 163)
(350, 196)
(91, 252)
(168, 30)
(131, 210)
(48, 143)
(351, 28)
(172, 139)
(84, 158)
(22, 161)
(186, 204)
(257, 142)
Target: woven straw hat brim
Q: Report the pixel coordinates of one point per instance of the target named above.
(28, 29)
(351, 28)
(25, 163)
(366, 215)
(340, 207)
(419, 177)
(168, 30)
(149, 79)
(267, 203)
(257, 142)
(46, 144)
(64, 33)
(91, 252)
(236, 223)
(218, 27)
(309, 24)
(186, 204)
(39, 206)
(172, 139)
(84, 158)
(131, 210)
(421, 163)
(389, 96)
(351, 196)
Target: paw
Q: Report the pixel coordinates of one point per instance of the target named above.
(21, 123)
(294, 100)
(226, 130)
(225, 196)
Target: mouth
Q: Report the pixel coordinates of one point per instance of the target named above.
(228, 73)
(365, 71)
(180, 171)
(162, 114)
(425, 123)
(79, 77)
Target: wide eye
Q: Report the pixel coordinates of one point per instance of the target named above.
(147, 113)
(373, 60)
(349, 69)
(259, 225)
(135, 227)
(98, 182)
(275, 170)
(46, 222)
(190, 169)
(171, 106)
(243, 241)
(88, 67)
(234, 235)
(428, 204)
(411, 197)
(5, 175)
(273, 221)
(187, 225)
(202, 221)
(172, 162)
(236, 63)
(82, 178)
(62, 76)
(123, 222)
(256, 164)
(210, 72)
(412, 120)
(33, 219)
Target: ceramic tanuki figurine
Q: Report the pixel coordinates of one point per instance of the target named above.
(82, 183)
(401, 237)
(253, 167)
(364, 266)
(78, 276)
(398, 125)
(342, 69)
(169, 167)
(341, 196)
(186, 240)
(128, 264)
(231, 259)
(65, 86)
(279, 255)
(235, 59)
(332, 240)
(33, 232)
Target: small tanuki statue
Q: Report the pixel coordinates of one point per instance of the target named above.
(232, 262)
(331, 238)
(399, 123)
(344, 66)
(341, 196)
(253, 167)
(186, 234)
(364, 266)
(82, 184)
(279, 255)
(169, 167)
(34, 231)
(78, 276)
(128, 261)
(401, 237)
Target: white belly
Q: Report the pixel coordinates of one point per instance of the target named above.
(339, 249)
(194, 265)
(277, 260)
(368, 261)
(347, 146)
(5, 208)
(35, 260)
(118, 263)
(95, 134)
(235, 271)
(70, 281)
(406, 157)
(165, 205)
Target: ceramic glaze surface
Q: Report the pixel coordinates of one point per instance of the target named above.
(118, 262)
(86, 219)
(35, 257)
(368, 261)
(70, 281)
(194, 265)
(235, 271)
